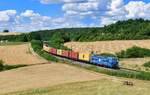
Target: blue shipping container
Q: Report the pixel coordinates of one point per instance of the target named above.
(110, 62)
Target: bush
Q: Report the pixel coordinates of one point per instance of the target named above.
(1, 65)
(5, 31)
(147, 64)
(108, 54)
(134, 52)
(8, 67)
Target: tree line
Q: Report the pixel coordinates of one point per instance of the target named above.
(122, 30)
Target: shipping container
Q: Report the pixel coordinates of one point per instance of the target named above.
(46, 48)
(110, 62)
(53, 51)
(84, 56)
(73, 55)
(59, 52)
(65, 53)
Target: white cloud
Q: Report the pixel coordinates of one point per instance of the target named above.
(115, 4)
(29, 13)
(32, 21)
(106, 11)
(86, 8)
(101, 12)
(6, 15)
(138, 9)
(50, 1)
(120, 11)
(61, 1)
(107, 21)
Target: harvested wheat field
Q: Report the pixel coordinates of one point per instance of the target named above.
(135, 64)
(19, 54)
(107, 46)
(135, 61)
(46, 75)
(113, 47)
(9, 33)
(62, 79)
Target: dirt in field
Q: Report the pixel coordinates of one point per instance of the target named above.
(107, 46)
(19, 54)
(42, 76)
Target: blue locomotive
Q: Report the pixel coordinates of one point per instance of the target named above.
(110, 62)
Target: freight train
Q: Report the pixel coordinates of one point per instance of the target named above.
(105, 61)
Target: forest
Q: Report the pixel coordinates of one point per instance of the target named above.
(122, 30)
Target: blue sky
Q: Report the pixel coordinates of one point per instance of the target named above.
(31, 15)
(22, 5)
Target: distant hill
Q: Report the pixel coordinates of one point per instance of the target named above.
(9, 33)
(122, 30)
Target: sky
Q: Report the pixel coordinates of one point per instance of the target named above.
(32, 15)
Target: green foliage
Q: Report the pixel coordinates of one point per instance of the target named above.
(1, 65)
(122, 30)
(134, 52)
(12, 43)
(57, 45)
(122, 73)
(147, 64)
(108, 54)
(8, 67)
(118, 72)
(37, 47)
(15, 38)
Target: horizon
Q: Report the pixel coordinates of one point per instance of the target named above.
(66, 27)
(34, 15)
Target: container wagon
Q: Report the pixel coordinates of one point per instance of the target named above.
(84, 57)
(59, 52)
(53, 51)
(65, 53)
(73, 55)
(46, 48)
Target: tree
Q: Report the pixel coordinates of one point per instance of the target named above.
(6, 31)
(1, 65)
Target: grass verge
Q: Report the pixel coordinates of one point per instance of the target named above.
(37, 47)
(113, 72)
(12, 43)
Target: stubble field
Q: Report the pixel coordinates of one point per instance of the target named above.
(10, 33)
(61, 79)
(107, 46)
(19, 54)
(113, 47)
